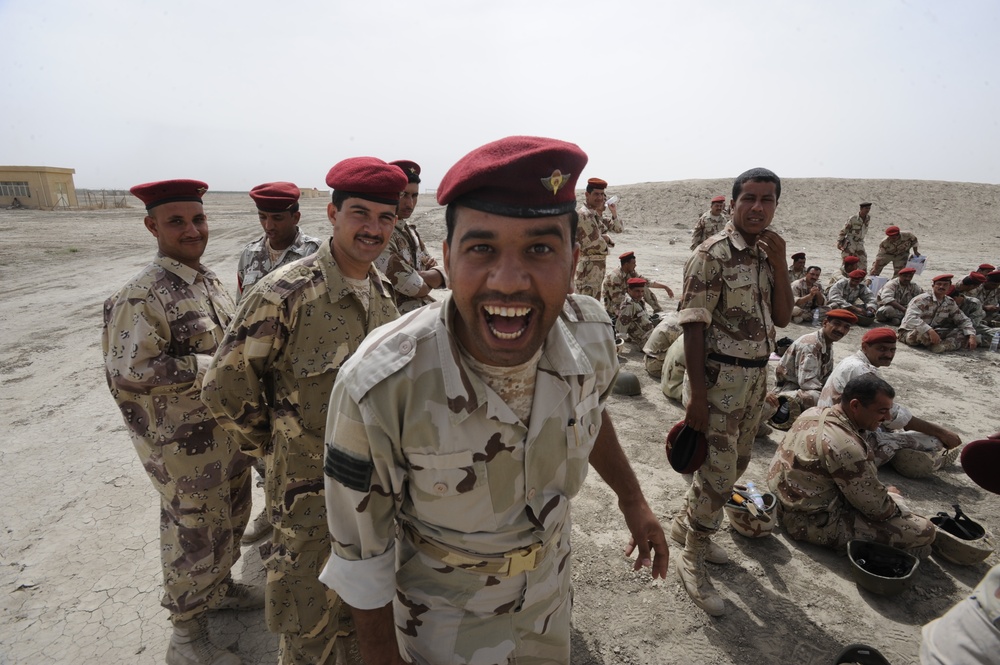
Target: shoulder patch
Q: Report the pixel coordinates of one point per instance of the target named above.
(352, 472)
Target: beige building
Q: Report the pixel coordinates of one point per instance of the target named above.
(37, 187)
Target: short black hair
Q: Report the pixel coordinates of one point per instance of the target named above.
(814, 268)
(451, 212)
(865, 389)
(758, 174)
(339, 197)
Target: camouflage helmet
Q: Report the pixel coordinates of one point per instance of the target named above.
(914, 463)
(627, 384)
(879, 568)
(746, 524)
(961, 540)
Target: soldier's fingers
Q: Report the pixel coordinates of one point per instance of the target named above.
(630, 547)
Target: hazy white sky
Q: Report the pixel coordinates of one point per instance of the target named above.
(239, 93)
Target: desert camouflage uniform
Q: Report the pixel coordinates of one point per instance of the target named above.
(925, 313)
(894, 291)
(894, 250)
(885, 442)
(674, 369)
(794, 275)
(255, 259)
(616, 287)
(851, 239)
(706, 227)
(727, 286)
(969, 633)
(844, 296)
(803, 369)
(973, 308)
(824, 475)
(160, 331)
(800, 289)
(991, 298)
(633, 321)
(270, 385)
(415, 437)
(401, 261)
(593, 250)
(663, 335)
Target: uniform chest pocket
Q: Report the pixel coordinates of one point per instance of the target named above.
(739, 294)
(451, 491)
(314, 373)
(195, 335)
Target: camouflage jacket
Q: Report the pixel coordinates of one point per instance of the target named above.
(898, 245)
(842, 294)
(590, 230)
(801, 288)
(824, 464)
(894, 291)
(854, 365)
(615, 287)
(706, 227)
(973, 309)
(160, 331)
(271, 378)
(924, 313)
(854, 232)
(991, 298)
(414, 435)
(401, 262)
(663, 336)
(727, 286)
(806, 364)
(794, 275)
(255, 260)
(633, 321)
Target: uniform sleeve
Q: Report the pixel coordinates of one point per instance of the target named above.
(810, 369)
(137, 347)
(404, 276)
(847, 462)
(702, 288)
(613, 225)
(364, 479)
(867, 296)
(913, 320)
(961, 321)
(835, 298)
(887, 293)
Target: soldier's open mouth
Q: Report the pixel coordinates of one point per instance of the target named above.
(507, 322)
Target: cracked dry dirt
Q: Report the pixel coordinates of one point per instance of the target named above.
(79, 565)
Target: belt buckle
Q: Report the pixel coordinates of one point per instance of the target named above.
(522, 560)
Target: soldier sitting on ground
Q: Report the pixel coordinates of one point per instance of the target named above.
(933, 320)
(634, 322)
(851, 293)
(895, 295)
(809, 296)
(615, 286)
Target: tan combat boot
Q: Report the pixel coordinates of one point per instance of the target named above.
(691, 568)
(241, 597)
(678, 533)
(259, 527)
(189, 645)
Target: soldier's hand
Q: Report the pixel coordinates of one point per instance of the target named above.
(973, 342)
(774, 247)
(669, 291)
(949, 439)
(696, 414)
(647, 536)
(613, 207)
(933, 336)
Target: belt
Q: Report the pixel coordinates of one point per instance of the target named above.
(508, 564)
(740, 362)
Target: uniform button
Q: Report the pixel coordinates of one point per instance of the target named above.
(405, 346)
(440, 488)
(531, 494)
(593, 429)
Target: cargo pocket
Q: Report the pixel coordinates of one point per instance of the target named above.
(451, 491)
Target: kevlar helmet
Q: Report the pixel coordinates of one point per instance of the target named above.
(960, 540)
(627, 384)
(881, 569)
(746, 524)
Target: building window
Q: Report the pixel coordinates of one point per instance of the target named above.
(14, 189)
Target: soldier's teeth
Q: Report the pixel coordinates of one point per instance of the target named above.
(494, 310)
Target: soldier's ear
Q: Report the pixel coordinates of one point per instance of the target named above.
(151, 226)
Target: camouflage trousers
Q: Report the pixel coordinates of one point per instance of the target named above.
(951, 340)
(672, 374)
(590, 275)
(805, 314)
(858, 250)
(735, 398)
(449, 615)
(204, 509)
(898, 262)
(889, 314)
(300, 608)
(885, 444)
(842, 524)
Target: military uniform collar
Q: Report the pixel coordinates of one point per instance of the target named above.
(336, 284)
(736, 238)
(186, 273)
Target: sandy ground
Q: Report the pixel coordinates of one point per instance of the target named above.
(79, 566)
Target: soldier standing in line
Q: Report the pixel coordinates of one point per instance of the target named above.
(736, 290)
(411, 270)
(895, 295)
(711, 222)
(270, 383)
(592, 234)
(851, 241)
(160, 331)
(895, 249)
(933, 320)
(458, 435)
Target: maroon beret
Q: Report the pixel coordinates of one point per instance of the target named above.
(879, 335)
(977, 277)
(892, 231)
(993, 277)
(851, 260)
(719, 199)
(169, 191)
(686, 447)
(624, 256)
(857, 274)
(798, 255)
(636, 281)
(275, 196)
(985, 268)
(908, 271)
(981, 462)
(597, 183)
(519, 176)
(943, 278)
(843, 315)
(367, 178)
(953, 291)
(411, 169)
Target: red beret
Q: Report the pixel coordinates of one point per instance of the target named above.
(843, 315)
(411, 169)
(953, 291)
(687, 448)
(275, 196)
(986, 267)
(798, 255)
(892, 231)
(719, 199)
(519, 176)
(169, 191)
(367, 178)
(981, 462)
(636, 281)
(851, 260)
(857, 274)
(626, 255)
(977, 277)
(943, 278)
(879, 335)
(597, 183)
(908, 271)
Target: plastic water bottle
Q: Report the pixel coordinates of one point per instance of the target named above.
(613, 200)
(815, 317)
(995, 344)
(755, 496)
